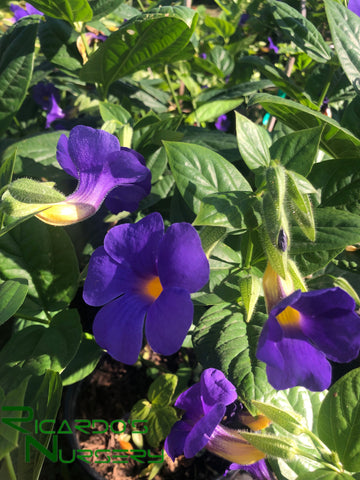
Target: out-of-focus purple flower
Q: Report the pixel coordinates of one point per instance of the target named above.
(101, 166)
(47, 96)
(203, 55)
(222, 123)
(243, 19)
(20, 12)
(272, 45)
(258, 470)
(91, 37)
(205, 405)
(140, 271)
(354, 6)
(303, 331)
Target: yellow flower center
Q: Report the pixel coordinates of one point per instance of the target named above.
(152, 288)
(289, 317)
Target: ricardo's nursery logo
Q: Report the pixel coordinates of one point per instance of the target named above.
(85, 426)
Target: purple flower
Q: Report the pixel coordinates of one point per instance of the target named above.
(272, 45)
(91, 37)
(243, 19)
(20, 12)
(47, 96)
(203, 55)
(205, 405)
(354, 6)
(222, 123)
(258, 470)
(303, 331)
(101, 166)
(140, 271)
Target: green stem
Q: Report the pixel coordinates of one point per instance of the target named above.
(141, 5)
(249, 252)
(33, 319)
(326, 87)
(167, 76)
(87, 49)
(10, 467)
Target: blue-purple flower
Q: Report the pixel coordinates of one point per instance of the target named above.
(272, 45)
(20, 12)
(103, 169)
(143, 272)
(205, 405)
(354, 6)
(47, 96)
(222, 123)
(258, 470)
(305, 330)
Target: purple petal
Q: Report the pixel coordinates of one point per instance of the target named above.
(258, 470)
(89, 147)
(222, 123)
(175, 441)
(32, 10)
(190, 401)
(63, 157)
(216, 388)
(106, 279)
(168, 320)
(200, 434)
(182, 261)
(127, 197)
(272, 45)
(18, 11)
(137, 244)
(302, 364)
(118, 327)
(55, 112)
(329, 320)
(354, 6)
(267, 351)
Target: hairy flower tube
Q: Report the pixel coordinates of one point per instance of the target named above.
(20, 12)
(47, 96)
(143, 272)
(303, 332)
(103, 169)
(205, 405)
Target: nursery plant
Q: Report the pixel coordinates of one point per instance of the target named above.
(180, 193)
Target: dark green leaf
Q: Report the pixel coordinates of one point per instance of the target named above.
(339, 420)
(12, 296)
(235, 91)
(101, 8)
(345, 29)
(301, 31)
(222, 339)
(297, 151)
(323, 474)
(17, 47)
(199, 172)
(69, 10)
(160, 419)
(45, 257)
(335, 140)
(84, 362)
(166, 29)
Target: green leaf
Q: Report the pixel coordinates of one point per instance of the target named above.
(297, 151)
(111, 111)
(84, 361)
(162, 390)
(17, 47)
(222, 58)
(141, 410)
(323, 474)
(345, 28)
(250, 288)
(209, 112)
(44, 396)
(45, 257)
(222, 27)
(335, 140)
(210, 238)
(253, 142)
(6, 174)
(279, 78)
(38, 348)
(222, 339)
(101, 8)
(235, 91)
(290, 421)
(166, 29)
(212, 173)
(300, 207)
(160, 421)
(339, 420)
(302, 32)
(13, 383)
(69, 10)
(233, 210)
(58, 44)
(12, 296)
